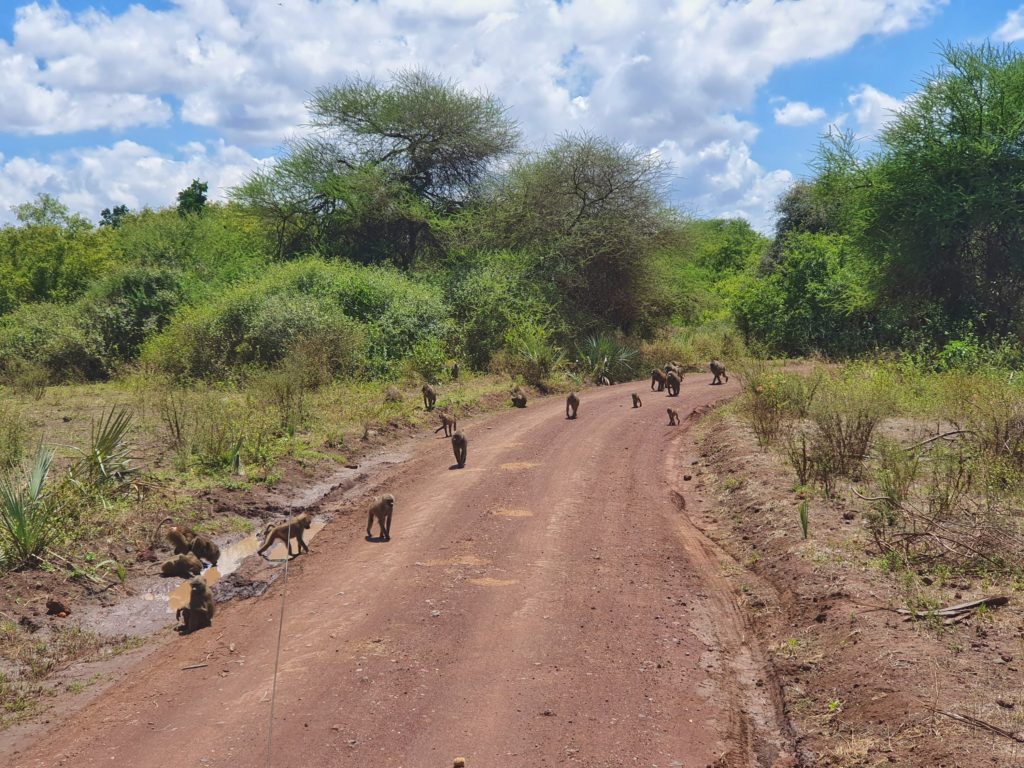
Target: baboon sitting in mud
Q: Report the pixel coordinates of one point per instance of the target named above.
(718, 369)
(199, 613)
(178, 536)
(572, 403)
(518, 397)
(448, 424)
(285, 532)
(381, 511)
(673, 417)
(429, 397)
(657, 380)
(459, 445)
(183, 566)
(672, 382)
(637, 402)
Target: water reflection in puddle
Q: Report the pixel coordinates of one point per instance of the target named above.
(231, 558)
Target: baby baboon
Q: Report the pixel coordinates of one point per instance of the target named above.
(657, 378)
(199, 613)
(518, 397)
(183, 566)
(455, 371)
(286, 531)
(429, 397)
(718, 369)
(381, 510)
(205, 549)
(673, 417)
(459, 444)
(637, 402)
(672, 382)
(572, 402)
(448, 424)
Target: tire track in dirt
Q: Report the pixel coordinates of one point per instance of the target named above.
(546, 605)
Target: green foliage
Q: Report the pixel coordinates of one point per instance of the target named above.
(12, 435)
(113, 217)
(602, 355)
(28, 522)
(529, 354)
(192, 199)
(53, 336)
(109, 452)
(804, 519)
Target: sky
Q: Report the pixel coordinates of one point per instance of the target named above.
(108, 102)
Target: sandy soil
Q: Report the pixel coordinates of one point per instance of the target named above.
(548, 604)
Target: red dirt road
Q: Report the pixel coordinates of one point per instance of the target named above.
(549, 604)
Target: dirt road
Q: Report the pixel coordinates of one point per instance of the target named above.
(549, 604)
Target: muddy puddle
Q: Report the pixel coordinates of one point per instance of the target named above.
(159, 598)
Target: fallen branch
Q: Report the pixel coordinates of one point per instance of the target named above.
(960, 610)
(973, 721)
(943, 436)
(194, 666)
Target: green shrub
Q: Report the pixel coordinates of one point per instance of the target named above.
(529, 354)
(603, 355)
(28, 522)
(54, 336)
(12, 436)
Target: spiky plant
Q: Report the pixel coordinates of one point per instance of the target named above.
(27, 520)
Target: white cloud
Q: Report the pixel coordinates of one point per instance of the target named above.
(1012, 29)
(872, 109)
(88, 180)
(649, 72)
(797, 113)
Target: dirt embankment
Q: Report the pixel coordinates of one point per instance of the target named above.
(862, 686)
(549, 604)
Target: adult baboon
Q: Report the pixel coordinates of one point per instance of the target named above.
(518, 397)
(199, 613)
(572, 402)
(205, 549)
(672, 382)
(718, 369)
(448, 424)
(459, 445)
(637, 402)
(673, 417)
(285, 532)
(657, 378)
(455, 371)
(182, 566)
(429, 397)
(178, 536)
(381, 511)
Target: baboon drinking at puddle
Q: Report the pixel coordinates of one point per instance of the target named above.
(459, 445)
(183, 565)
(285, 532)
(381, 511)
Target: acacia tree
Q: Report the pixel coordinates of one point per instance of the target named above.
(590, 213)
(941, 203)
(383, 162)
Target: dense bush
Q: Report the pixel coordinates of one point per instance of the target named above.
(54, 336)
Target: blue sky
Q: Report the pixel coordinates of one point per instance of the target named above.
(114, 102)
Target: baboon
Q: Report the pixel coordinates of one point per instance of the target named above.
(381, 509)
(459, 444)
(672, 382)
(205, 549)
(674, 365)
(460, 762)
(455, 371)
(604, 381)
(673, 417)
(572, 402)
(448, 424)
(718, 369)
(429, 397)
(199, 613)
(657, 378)
(286, 531)
(637, 402)
(183, 566)
(178, 536)
(518, 397)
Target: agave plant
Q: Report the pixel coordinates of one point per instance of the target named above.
(603, 355)
(27, 519)
(109, 454)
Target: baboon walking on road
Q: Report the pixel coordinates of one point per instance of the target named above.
(718, 369)
(459, 445)
(672, 383)
(637, 402)
(572, 403)
(657, 380)
(381, 511)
